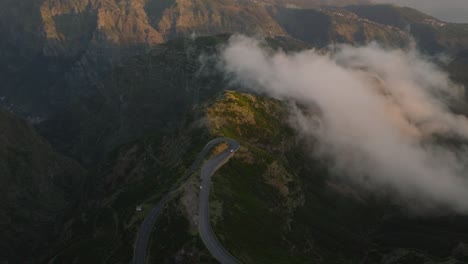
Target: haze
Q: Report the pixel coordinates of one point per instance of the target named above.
(447, 10)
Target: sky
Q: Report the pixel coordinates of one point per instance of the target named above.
(447, 10)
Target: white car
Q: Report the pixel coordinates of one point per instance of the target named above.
(201, 187)
(232, 150)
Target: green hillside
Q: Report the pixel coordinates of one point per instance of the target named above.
(109, 102)
(273, 202)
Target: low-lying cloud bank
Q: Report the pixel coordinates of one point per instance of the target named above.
(379, 113)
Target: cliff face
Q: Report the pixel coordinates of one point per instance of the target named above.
(63, 28)
(178, 18)
(54, 51)
(37, 187)
(60, 47)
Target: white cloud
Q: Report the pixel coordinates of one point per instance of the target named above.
(379, 111)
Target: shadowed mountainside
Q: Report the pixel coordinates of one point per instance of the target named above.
(103, 84)
(432, 35)
(60, 49)
(38, 189)
(272, 203)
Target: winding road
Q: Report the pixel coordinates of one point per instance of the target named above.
(204, 226)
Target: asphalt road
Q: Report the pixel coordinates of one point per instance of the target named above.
(204, 226)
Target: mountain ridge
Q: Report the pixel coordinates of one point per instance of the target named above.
(77, 42)
(127, 89)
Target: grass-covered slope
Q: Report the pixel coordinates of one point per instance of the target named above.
(256, 193)
(272, 202)
(138, 173)
(275, 203)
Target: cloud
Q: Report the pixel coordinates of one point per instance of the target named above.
(448, 10)
(380, 112)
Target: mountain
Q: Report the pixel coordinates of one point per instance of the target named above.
(124, 94)
(153, 93)
(431, 34)
(77, 42)
(457, 68)
(62, 47)
(313, 3)
(272, 203)
(38, 187)
(336, 25)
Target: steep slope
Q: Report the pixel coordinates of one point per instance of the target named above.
(276, 203)
(314, 3)
(74, 41)
(335, 25)
(136, 174)
(59, 49)
(146, 116)
(147, 94)
(281, 195)
(458, 67)
(272, 203)
(431, 34)
(37, 187)
(183, 17)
